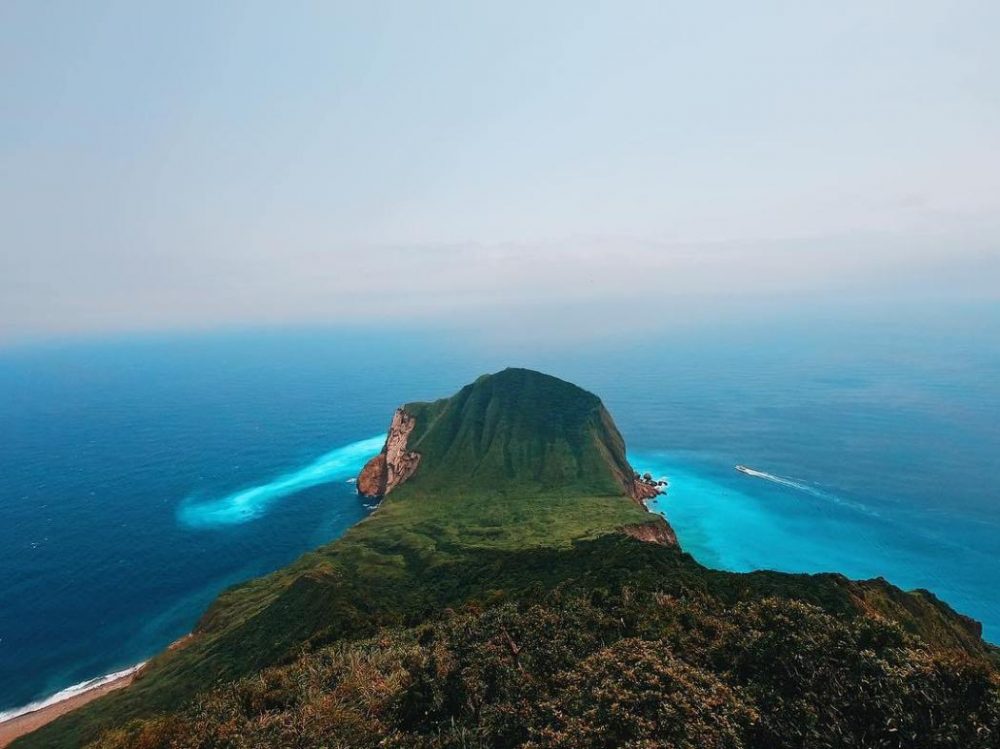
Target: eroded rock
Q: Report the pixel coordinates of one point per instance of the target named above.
(656, 531)
(395, 464)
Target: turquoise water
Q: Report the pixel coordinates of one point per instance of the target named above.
(140, 477)
(247, 505)
(736, 522)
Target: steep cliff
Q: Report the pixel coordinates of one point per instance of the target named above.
(655, 531)
(395, 464)
(371, 481)
(642, 490)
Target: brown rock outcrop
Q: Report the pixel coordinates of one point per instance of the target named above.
(642, 490)
(395, 464)
(656, 531)
(371, 480)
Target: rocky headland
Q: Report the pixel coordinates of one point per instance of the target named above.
(395, 464)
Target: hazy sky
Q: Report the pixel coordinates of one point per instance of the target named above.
(188, 165)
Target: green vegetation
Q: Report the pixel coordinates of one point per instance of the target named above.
(632, 668)
(492, 601)
(518, 433)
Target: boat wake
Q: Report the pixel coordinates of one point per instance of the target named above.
(68, 693)
(779, 480)
(249, 504)
(806, 488)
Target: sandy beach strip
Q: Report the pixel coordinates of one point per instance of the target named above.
(28, 722)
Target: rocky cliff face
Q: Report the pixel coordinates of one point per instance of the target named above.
(656, 531)
(394, 464)
(641, 490)
(372, 479)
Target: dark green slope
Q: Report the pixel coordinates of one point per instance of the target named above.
(519, 498)
(518, 431)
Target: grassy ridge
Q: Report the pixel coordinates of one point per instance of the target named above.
(626, 666)
(601, 571)
(518, 497)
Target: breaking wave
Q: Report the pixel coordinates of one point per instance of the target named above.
(67, 693)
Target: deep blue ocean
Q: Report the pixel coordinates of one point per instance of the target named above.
(141, 476)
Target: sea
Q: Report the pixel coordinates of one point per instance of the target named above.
(142, 475)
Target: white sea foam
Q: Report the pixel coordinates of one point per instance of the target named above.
(68, 693)
(780, 480)
(249, 504)
(798, 485)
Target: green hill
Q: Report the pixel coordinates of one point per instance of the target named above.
(518, 432)
(501, 595)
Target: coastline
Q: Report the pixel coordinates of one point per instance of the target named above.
(36, 715)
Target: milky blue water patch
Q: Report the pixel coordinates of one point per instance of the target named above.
(739, 522)
(254, 502)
